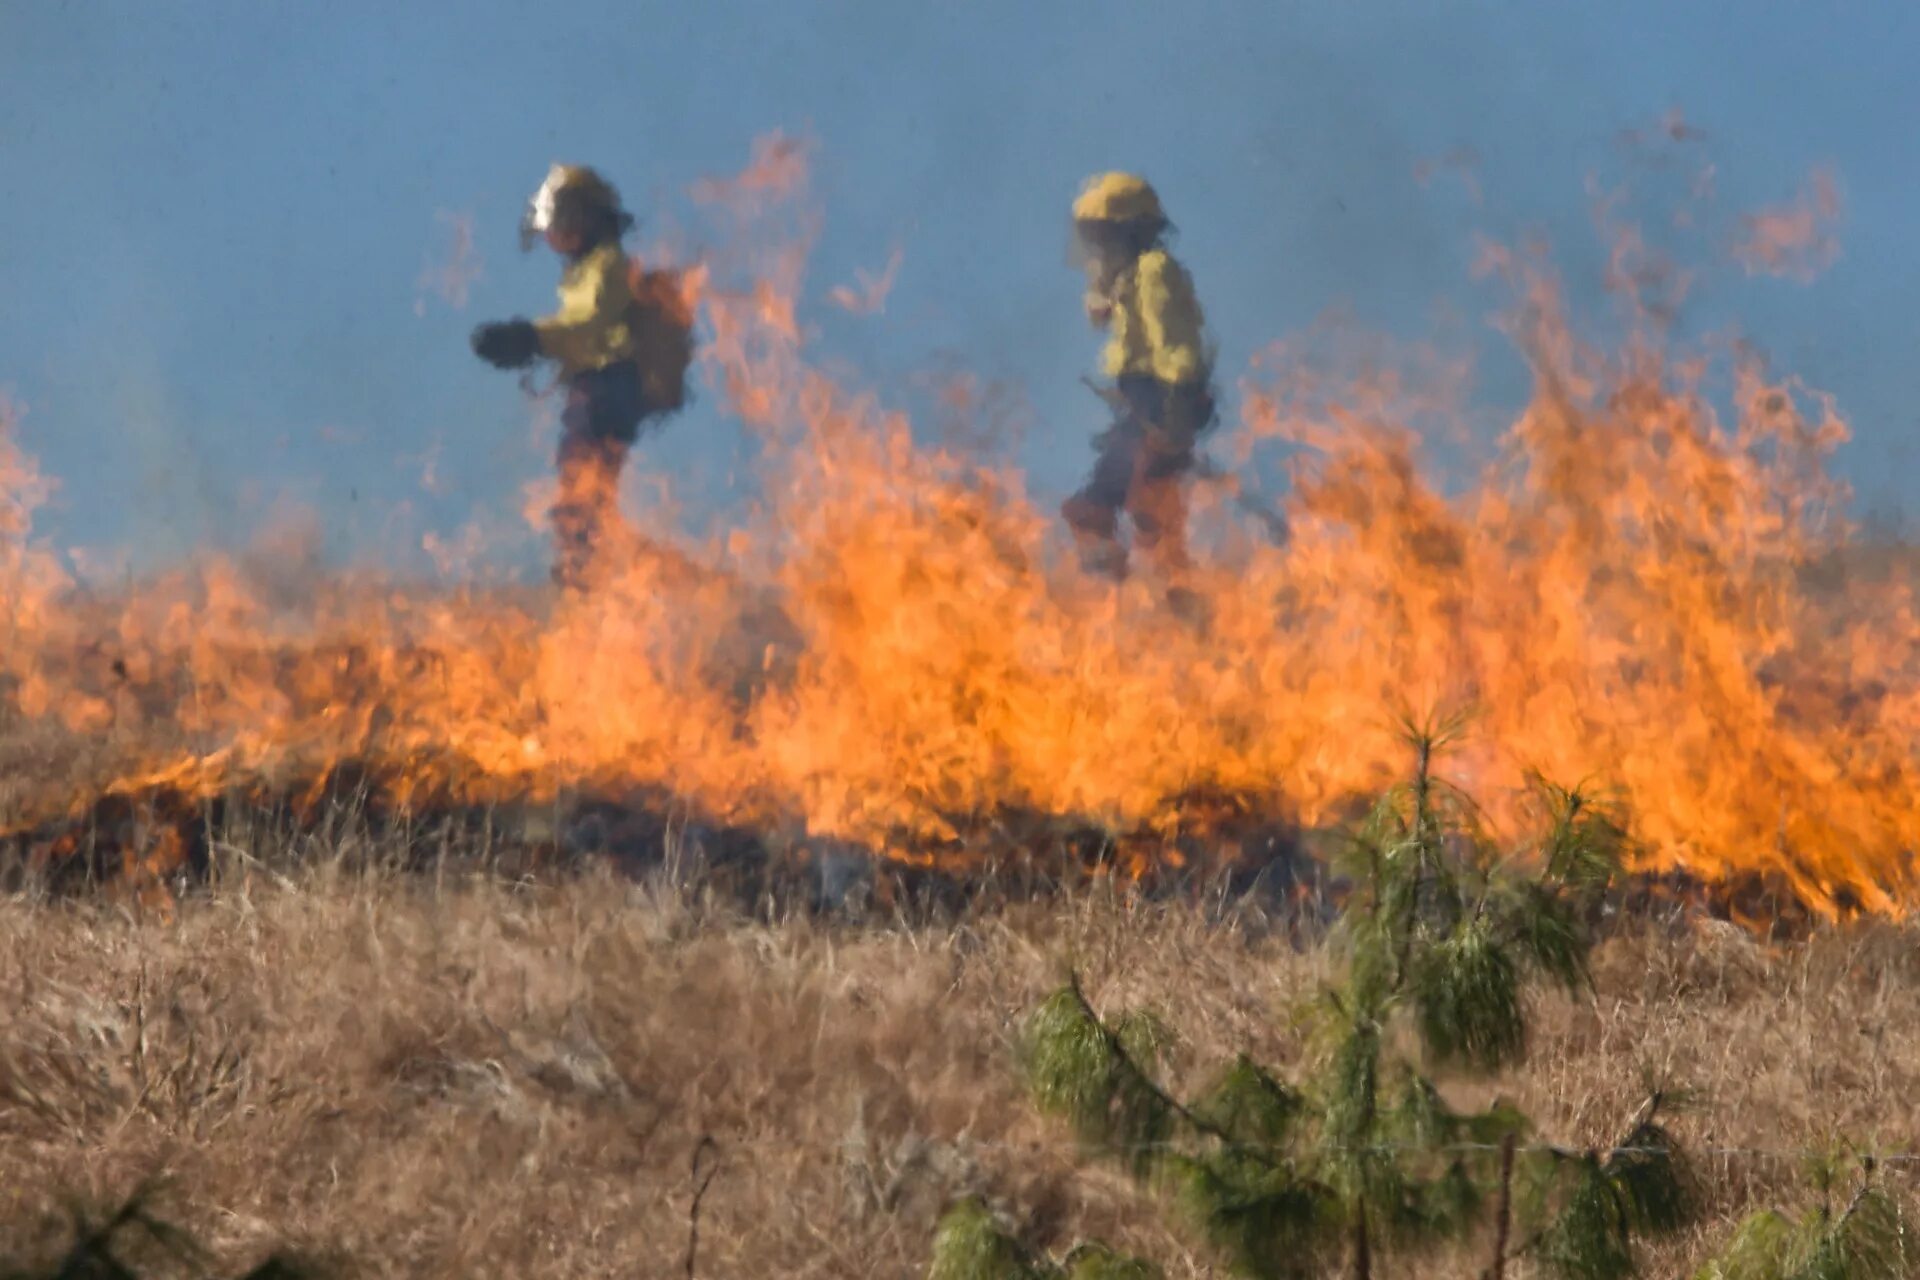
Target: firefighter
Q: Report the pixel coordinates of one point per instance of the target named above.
(1160, 369)
(606, 343)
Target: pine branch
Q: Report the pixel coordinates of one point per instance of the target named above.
(969, 1245)
(1244, 1195)
(1586, 839)
(1466, 999)
(1591, 1237)
(1269, 1224)
(1077, 1067)
(1636, 1187)
(1097, 1262)
(1545, 927)
(1121, 1058)
(1250, 1107)
(1760, 1249)
(1868, 1240)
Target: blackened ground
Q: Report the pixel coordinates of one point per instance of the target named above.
(1232, 849)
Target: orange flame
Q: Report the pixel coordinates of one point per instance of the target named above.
(1645, 590)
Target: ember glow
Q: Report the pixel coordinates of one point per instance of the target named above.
(1650, 588)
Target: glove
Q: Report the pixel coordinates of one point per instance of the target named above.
(508, 345)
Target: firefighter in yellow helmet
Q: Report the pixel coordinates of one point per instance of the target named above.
(600, 339)
(1160, 369)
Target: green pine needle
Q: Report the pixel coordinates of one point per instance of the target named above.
(1466, 998)
(1097, 1262)
(1372, 950)
(1607, 1202)
(1761, 1249)
(1590, 1239)
(1079, 1069)
(1250, 1107)
(1144, 1038)
(1586, 839)
(1646, 1170)
(1420, 1117)
(1546, 929)
(1442, 1207)
(1353, 1086)
(1269, 1224)
(1869, 1240)
(969, 1245)
(1497, 1123)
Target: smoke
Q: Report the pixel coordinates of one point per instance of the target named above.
(867, 296)
(1795, 240)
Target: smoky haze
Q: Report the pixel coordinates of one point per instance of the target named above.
(242, 248)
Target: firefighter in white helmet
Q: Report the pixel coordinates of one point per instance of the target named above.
(1160, 369)
(621, 354)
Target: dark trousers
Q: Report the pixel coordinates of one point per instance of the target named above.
(597, 429)
(1141, 460)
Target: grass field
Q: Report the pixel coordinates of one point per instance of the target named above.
(448, 1076)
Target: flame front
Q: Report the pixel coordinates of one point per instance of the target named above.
(1643, 590)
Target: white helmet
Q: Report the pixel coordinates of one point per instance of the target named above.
(575, 187)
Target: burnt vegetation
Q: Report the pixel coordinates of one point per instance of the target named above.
(163, 841)
(1406, 1047)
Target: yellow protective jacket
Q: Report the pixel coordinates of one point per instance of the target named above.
(594, 326)
(1154, 323)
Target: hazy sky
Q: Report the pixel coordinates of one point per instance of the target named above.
(214, 218)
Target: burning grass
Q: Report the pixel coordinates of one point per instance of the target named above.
(1648, 585)
(367, 1029)
(470, 1075)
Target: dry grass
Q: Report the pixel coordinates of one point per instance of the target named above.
(462, 1079)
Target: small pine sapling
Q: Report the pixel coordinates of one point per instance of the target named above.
(1867, 1237)
(1364, 1156)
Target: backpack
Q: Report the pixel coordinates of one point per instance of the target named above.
(662, 336)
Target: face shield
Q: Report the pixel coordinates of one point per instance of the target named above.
(538, 218)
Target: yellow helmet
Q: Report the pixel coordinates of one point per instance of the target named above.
(578, 188)
(1118, 197)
